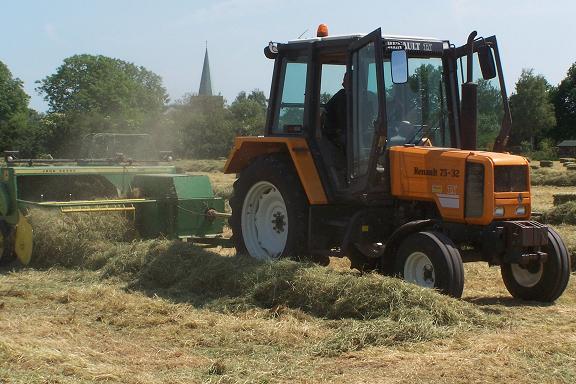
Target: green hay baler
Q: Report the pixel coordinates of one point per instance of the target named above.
(162, 202)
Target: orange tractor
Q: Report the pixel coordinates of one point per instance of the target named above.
(386, 167)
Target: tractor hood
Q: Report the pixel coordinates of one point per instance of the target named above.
(465, 185)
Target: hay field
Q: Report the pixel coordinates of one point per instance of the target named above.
(100, 306)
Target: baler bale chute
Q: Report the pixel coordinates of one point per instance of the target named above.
(162, 202)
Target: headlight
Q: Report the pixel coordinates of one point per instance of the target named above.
(521, 211)
(499, 211)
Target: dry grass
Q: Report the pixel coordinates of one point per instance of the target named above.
(158, 311)
(543, 196)
(66, 326)
(557, 175)
(199, 165)
(119, 310)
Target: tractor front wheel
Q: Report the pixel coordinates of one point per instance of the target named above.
(540, 281)
(269, 210)
(430, 259)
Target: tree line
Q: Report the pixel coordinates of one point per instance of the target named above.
(94, 93)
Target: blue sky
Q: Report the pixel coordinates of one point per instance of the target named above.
(168, 37)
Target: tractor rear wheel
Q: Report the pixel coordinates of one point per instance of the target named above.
(430, 259)
(7, 253)
(269, 210)
(540, 281)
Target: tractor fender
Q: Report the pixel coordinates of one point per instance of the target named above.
(400, 233)
(247, 149)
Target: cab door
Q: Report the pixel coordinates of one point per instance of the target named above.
(365, 109)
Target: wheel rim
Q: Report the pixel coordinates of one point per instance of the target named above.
(264, 221)
(418, 269)
(527, 276)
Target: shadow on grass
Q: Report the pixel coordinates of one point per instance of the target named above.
(505, 301)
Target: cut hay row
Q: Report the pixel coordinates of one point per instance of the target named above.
(372, 309)
(552, 176)
(561, 198)
(564, 213)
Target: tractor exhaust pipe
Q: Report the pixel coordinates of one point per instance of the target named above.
(469, 102)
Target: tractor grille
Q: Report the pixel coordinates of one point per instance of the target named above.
(511, 178)
(474, 190)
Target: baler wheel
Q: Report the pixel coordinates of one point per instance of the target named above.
(540, 281)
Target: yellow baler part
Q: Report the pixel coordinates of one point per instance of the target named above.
(23, 240)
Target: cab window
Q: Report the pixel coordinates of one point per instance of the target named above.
(416, 110)
(289, 116)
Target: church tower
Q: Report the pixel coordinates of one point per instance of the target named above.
(205, 82)
(205, 98)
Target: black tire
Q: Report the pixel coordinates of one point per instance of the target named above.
(542, 282)
(444, 258)
(7, 254)
(363, 257)
(277, 170)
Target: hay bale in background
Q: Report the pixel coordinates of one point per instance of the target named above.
(553, 176)
(571, 166)
(561, 198)
(567, 160)
(546, 163)
(561, 214)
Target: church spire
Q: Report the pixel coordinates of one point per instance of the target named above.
(205, 82)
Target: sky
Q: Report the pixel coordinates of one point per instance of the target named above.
(169, 37)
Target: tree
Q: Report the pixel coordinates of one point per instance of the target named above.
(101, 94)
(490, 113)
(20, 128)
(249, 112)
(532, 111)
(564, 100)
(13, 99)
(204, 127)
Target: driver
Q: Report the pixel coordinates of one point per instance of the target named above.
(336, 117)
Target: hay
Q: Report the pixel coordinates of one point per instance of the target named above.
(546, 163)
(76, 239)
(561, 198)
(207, 165)
(555, 177)
(378, 310)
(561, 214)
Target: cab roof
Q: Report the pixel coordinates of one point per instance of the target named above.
(356, 36)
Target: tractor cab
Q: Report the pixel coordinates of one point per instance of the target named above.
(354, 97)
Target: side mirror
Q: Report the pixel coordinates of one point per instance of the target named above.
(487, 65)
(399, 66)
